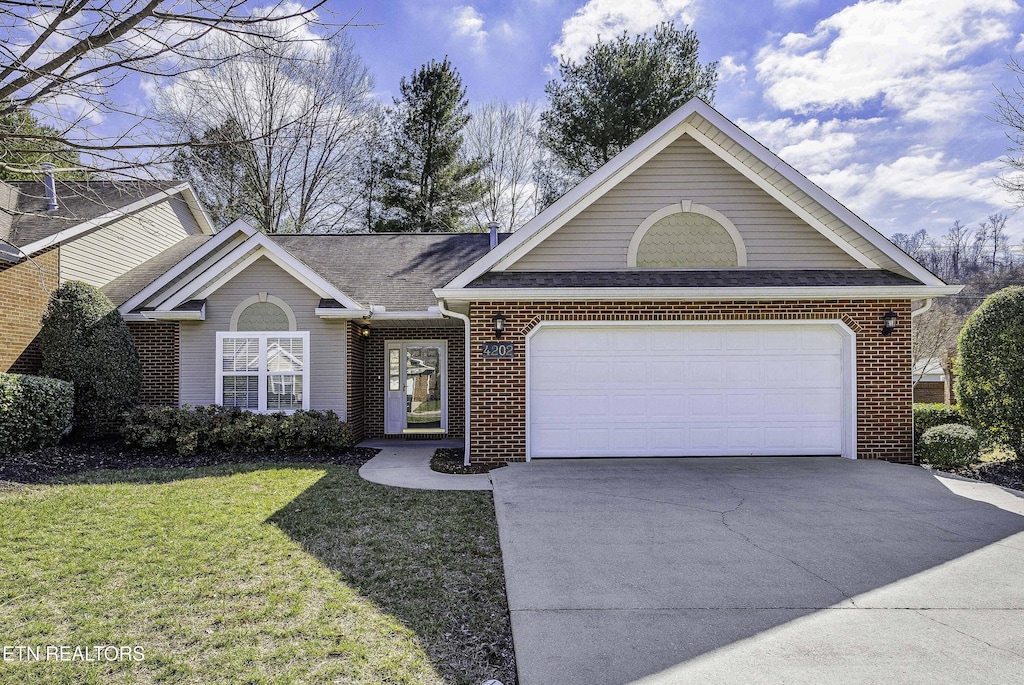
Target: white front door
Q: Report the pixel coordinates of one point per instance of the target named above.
(416, 392)
(690, 390)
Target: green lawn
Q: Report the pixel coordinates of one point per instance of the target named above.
(253, 574)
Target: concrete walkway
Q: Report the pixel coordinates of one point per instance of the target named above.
(767, 570)
(406, 464)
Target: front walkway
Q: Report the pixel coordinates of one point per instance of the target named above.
(406, 464)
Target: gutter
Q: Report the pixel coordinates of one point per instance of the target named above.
(465, 319)
(927, 305)
(919, 292)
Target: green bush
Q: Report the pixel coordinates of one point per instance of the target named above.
(930, 415)
(34, 411)
(85, 341)
(989, 368)
(227, 429)
(950, 445)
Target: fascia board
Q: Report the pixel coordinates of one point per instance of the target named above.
(198, 210)
(191, 315)
(112, 215)
(914, 292)
(336, 313)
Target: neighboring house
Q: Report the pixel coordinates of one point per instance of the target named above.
(91, 231)
(695, 296)
(930, 382)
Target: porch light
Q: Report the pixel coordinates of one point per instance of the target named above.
(889, 322)
(365, 332)
(499, 325)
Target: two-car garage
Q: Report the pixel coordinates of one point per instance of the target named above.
(619, 389)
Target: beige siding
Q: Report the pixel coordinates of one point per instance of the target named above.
(598, 238)
(326, 340)
(104, 254)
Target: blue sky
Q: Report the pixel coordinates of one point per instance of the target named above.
(885, 103)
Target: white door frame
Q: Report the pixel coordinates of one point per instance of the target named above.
(401, 346)
(849, 360)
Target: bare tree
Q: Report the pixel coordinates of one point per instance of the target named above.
(955, 241)
(304, 110)
(1009, 107)
(935, 331)
(914, 244)
(63, 60)
(505, 136)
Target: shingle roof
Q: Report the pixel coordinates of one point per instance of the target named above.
(130, 283)
(77, 202)
(397, 270)
(726, 278)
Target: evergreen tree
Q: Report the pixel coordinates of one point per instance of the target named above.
(619, 91)
(35, 143)
(216, 166)
(429, 183)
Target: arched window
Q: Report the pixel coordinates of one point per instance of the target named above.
(263, 312)
(686, 236)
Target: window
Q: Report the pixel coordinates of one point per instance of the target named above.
(263, 371)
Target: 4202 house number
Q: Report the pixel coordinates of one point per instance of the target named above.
(497, 350)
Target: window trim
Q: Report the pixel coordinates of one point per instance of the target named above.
(262, 297)
(263, 373)
(686, 207)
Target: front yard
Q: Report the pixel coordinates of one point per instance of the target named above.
(268, 573)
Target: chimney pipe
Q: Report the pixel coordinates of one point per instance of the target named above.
(51, 186)
(492, 226)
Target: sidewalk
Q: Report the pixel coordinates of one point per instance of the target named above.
(406, 464)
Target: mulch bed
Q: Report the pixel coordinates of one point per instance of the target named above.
(1008, 474)
(446, 460)
(68, 458)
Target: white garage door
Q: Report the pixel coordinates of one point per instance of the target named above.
(688, 390)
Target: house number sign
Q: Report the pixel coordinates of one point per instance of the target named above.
(498, 350)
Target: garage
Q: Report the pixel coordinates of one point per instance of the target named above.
(690, 389)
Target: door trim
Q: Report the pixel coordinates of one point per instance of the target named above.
(849, 359)
(443, 374)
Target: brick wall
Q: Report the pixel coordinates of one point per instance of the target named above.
(23, 301)
(930, 391)
(884, 382)
(374, 379)
(355, 380)
(158, 347)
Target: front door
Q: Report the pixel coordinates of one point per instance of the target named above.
(416, 396)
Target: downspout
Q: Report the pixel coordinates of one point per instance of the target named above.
(447, 312)
(921, 310)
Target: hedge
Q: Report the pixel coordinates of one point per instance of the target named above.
(34, 411)
(228, 429)
(930, 415)
(950, 445)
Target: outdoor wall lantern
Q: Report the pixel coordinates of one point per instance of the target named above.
(499, 325)
(889, 322)
(365, 332)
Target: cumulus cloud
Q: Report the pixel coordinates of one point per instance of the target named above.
(812, 146)
(467, 22)
(787, 4)
(729, 68)
(911, 55)
(606, 19)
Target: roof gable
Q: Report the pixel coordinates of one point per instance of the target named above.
(725, 140)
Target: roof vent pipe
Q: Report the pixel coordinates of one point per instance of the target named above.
(492, 226)
(51, 186)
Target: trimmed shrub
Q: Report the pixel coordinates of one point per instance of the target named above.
(930, 415)
(227, 429)
(989, 369)
(950, 445)
(85, 341)
(34, 411)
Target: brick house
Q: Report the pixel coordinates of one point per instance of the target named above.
(695, 296)
(93, 231)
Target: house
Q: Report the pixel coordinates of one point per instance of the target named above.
(695, 296)
(930, 381)
(53, 231)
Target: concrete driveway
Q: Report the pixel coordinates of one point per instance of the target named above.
(767, 570)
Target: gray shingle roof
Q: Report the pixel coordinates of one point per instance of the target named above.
(726, 278)
(397, 270)
(77, 202)
(130, 283)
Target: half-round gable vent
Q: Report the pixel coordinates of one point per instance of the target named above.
(686, 240)
(263, 316)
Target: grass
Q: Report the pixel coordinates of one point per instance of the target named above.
(253, 574)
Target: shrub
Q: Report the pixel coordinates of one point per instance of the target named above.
(85, 341)
(950, 445)
(227, 429)
(989, 369)
(34, 411)
(930, 415)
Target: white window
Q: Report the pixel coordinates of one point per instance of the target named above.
(263, 371)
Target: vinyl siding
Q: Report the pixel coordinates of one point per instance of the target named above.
(598, 238)
(327, 344)
(104, 254)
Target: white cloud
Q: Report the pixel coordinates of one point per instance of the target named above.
(468, 23)
(729, 68)
(909, 54)
(787, 4)
(606, 19)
